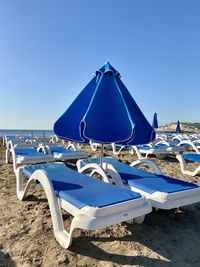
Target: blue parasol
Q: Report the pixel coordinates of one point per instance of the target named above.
(104, 112)
(178, 127)
(155, 121)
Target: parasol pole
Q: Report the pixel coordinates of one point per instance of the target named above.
(102, 154)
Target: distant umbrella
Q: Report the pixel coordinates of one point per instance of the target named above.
(155, 121)
(178, 128)
(104, 112)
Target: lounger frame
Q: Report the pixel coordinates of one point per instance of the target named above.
(160, 153)
(184, 167)
(87, 218)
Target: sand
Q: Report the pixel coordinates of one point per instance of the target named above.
(166, 238)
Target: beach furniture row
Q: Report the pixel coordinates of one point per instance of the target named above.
(126, 193)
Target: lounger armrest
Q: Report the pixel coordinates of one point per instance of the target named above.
(44, 149)
(71, 146)
(188, 142)
(92, 168)
(135, 148)
(114, 149)
(149, 163)
(162, 142)
(107, 171)
(184, 170)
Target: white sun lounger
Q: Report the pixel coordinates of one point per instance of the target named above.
(163, 192)
(62, 153)
(26, 155)
(8, 138)
(117, 148)
(94, 204)
(189, 157)
(160, 151)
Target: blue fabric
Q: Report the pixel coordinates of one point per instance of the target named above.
(151, 183)
(104, 112)
(144, 180)
(145, 147)
(143, 132)
(81, 190)
(67, 127)
(60, 149)
(125, 146)
(192, 157)
(27, 152)
(156, 147)
(155, 121)
(178, 128)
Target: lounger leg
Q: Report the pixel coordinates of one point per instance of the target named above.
(7, 155)
(182, 163)
(137, 220)
(114, 149)
(138, 152)
(19, 182)
(62, 236)
(183, 167)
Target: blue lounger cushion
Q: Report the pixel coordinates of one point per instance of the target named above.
(125, 146)
(81, 190)
(151, 182)
(27, 152)
(59, 149)
(192, 157)
(147, 181)
(157, 147)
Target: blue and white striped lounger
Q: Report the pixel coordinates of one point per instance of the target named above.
(93, 203)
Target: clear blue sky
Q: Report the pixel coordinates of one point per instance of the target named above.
(50, 49)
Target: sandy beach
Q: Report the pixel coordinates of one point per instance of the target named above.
(166, 238)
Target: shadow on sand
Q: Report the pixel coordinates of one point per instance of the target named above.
(5, 260)
(160, 234)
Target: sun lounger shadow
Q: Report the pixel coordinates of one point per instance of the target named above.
(83, 246)
(170, 158)
(33, 198)
(148, 235)
(6, 260)
(120, 259)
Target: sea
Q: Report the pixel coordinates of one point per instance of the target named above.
(34, 133)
